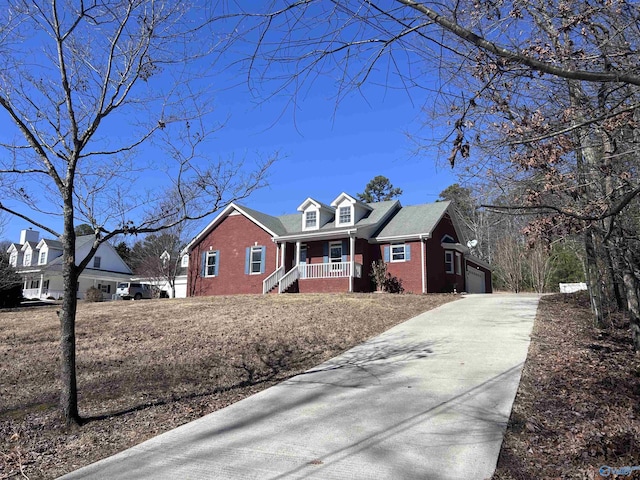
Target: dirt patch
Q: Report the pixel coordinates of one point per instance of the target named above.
(578, 405)
(147, 367)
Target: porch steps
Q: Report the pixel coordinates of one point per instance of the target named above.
(282, 280)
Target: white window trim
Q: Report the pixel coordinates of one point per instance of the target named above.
(42, 258)
(13, 259)
(339, 215)
(305, 224)
(209, 254)
(446, 238)
(26, 261)
(404, 252)
(257, 249)
(449, 254)
(185, 261)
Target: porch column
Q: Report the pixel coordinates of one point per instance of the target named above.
(423, 265)
(352, 260)
(283, 250)
(298, 244)
(41, 282)
(277, 254)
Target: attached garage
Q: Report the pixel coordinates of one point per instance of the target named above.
(478, 276)
(475, 280)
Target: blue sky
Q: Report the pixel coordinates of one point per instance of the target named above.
(324, 148)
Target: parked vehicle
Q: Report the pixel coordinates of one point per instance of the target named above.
(137, 291)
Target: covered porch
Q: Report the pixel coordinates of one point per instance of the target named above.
(320, 265)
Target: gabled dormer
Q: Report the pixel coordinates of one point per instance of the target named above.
(315, 214)
(15, 255)
(48, 250)
(29, 254)
(349, 211)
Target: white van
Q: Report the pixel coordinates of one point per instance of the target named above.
(137, 291)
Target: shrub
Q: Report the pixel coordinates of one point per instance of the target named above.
(11, 297)
(384, 281)
(93, 294)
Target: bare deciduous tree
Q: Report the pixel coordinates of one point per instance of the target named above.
(83, 87)
(539, 96)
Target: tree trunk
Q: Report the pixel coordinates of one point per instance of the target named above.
(593, 277)
(69, 393)
(631, 288)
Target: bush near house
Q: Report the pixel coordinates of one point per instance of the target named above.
(384, 281)
(10, 297)
(93, 294)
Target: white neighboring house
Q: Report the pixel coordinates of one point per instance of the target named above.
(163, 284)
(39, 263)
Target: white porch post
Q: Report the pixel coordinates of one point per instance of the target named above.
(423, 247)
(352, 261)
(277, 254)
(283, 250)
(298, 244)
(41, 282)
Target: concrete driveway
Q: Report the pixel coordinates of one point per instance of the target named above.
(428, 399)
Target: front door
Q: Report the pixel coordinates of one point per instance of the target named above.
(303, 261)
(335, 255)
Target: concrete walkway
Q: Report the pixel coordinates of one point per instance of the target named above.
(428, 399)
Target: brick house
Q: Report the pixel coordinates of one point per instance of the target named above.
(330, 248)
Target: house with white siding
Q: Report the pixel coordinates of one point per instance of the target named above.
(39, 263)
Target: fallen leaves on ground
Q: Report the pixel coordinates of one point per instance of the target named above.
(578, 404)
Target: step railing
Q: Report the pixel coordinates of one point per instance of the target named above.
(272, 280)
(287, 280)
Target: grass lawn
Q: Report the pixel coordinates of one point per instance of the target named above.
(147, 367)
(578, 405)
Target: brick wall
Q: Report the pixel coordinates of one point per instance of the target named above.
(231, 238)
(410, 271)
(323, 285)
(437, 279)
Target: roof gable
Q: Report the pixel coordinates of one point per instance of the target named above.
(268, 223)
(319, 205)
(351, 200)
(14, 247)
(29, 246)
(52, 244)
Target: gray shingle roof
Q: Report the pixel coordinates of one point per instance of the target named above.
(272, 223)
(52, 243)
(293, 223)
(404, 221)
(414, 220)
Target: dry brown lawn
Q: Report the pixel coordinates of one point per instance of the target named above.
(147, 367)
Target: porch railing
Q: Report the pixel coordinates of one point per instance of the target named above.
(272, 280)
(329, 270)
(309, 271)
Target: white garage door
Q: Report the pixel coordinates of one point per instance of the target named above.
(475, 280)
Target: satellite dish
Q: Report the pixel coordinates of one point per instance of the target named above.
(472, 243)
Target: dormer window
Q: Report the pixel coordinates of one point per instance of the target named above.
(344, 215)
(311, 219)
(43, 258)
(13, 259)
(27, 259)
